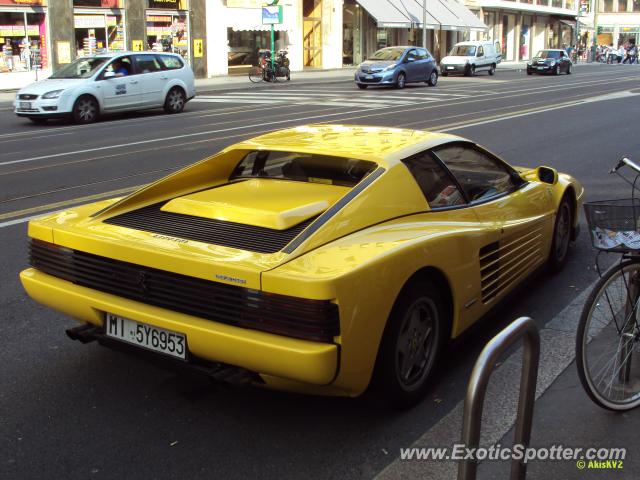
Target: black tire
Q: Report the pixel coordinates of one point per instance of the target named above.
(415, 334)
(85, 110)
(361, 86)
(492, 70)
(401, 81)
(38, 120)
(529, 71)
(256, 74)
(561, 235)
(556, 71)
(283, 74)
(432, 81)
(444, 74)
(608, 295)
(175, 101)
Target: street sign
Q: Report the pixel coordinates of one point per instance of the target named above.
(198, 51)
(272, 15)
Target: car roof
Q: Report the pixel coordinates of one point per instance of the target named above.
(125, 53)
(384, 145)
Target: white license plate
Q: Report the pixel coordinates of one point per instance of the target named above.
(540, 68)
(146, 336)
(368, 77)
(26, 105)
(449, 68)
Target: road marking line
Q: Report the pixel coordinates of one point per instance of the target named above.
(64, 203)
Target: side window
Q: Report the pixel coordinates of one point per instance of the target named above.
(412, 54)
(121, 66)
(479, 175)
(147, 64)
(437, 185)
(480, 51)
(170, 62)
(422, 54)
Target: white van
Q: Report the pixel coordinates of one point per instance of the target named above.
(471, 57)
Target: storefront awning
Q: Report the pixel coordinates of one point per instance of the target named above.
(242, 19)
(441, 14)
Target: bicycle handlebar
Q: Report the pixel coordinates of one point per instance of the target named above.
(625, 161)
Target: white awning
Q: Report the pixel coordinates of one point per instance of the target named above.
(441, 14)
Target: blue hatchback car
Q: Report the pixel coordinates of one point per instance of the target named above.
(398, 66)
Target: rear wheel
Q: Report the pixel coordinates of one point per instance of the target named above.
(492, 70)
(556, 71)
(175, 101)
(361, 86)
(433, 79)
(256, 74)
(85, 110)
(401, 81)
(529, 71)
(569, 69)
(444, 74)
(561, 235)
(411, 345)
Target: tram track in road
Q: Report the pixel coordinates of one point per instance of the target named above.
(495, 114)
(318, 116)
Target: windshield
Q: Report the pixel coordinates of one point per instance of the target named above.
(548, 54)
(387, 54)
(303, 167)
(463, 51)
(81, 68)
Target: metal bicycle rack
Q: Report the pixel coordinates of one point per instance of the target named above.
(477, 389)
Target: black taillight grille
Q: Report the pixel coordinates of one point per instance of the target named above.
(316, 320)
(207, 230)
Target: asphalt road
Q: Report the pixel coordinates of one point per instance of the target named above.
(80, 411)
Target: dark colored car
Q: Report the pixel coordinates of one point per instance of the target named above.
(553, 61)
(397, 66)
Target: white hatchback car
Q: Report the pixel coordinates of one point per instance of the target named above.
(104, 83)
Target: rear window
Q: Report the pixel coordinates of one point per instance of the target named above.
(170, 62)
(303, 167)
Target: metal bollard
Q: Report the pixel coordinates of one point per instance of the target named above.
(477, 388)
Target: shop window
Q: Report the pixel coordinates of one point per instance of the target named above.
(635, 5)
(622, 5)
(607, 6)
(245, 46)
(98, 33)
(168, 33)
(558, 3)
(569, 5)
(23, 41)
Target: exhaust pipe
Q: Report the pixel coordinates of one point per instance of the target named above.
(84, 333)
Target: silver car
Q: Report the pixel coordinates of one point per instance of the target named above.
(397, 66)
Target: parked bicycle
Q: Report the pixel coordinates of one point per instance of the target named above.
(608, 338)
(264, 70)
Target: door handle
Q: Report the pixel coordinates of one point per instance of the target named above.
(134, 81)
(163, 77)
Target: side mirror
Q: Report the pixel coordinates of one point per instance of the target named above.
(108, 75)
(547, 175)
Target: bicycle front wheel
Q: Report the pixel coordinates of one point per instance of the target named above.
(608, 339)
(256, 74)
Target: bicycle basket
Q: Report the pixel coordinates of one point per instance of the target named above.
(613, 224)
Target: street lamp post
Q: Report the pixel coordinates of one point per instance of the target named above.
(424, 24)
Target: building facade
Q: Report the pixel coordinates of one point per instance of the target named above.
(525, 26)
(48, 34)
(617, 21)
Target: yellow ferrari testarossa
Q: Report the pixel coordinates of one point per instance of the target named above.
(321, 258)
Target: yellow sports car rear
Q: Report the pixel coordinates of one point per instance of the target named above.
(323, 258)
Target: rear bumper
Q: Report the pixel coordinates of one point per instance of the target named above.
(264, 353)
